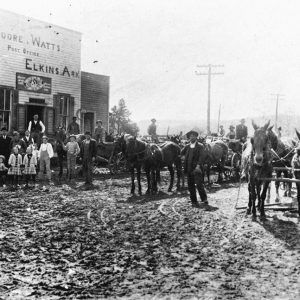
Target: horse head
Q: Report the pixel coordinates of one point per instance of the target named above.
(272, 137)
(261, 143)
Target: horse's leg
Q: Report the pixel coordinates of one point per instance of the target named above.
(258, 189)
(249, 199)
(171, 170)
(253, 198)
(263, 197)
(277, 185)
(178, 172)
(132, 180)
(298, 196)
(138, 175)
(148, 175)
(153, 179)
(288, 185)
(208, 174)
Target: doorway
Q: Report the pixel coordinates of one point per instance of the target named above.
(89, 122)
(34, 110)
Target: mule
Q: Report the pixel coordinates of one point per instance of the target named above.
(136, 153)
(257, 160)
(216, 155)
(165, 155)
(295, 163)
(281, 157)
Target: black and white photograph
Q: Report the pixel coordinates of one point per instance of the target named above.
(150, 149)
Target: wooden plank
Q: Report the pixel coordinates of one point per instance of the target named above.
(284, 169)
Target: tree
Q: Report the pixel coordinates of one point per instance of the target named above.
(119, 120)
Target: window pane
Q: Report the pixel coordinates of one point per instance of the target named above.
(7, 99)
(61, 105)
(2, 99)
(66, 106)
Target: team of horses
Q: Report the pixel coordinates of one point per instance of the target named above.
(263, 153)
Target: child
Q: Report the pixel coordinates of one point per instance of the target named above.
(73, 150)
(14, 163)
(29, 162)
(3, 171)
(45, 154)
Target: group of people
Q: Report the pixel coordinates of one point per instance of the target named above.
(29, 157)
(240, 132)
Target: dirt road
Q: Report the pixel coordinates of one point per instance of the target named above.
(71, 243)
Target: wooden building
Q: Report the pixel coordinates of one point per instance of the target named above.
(94, 86)
(40, 73)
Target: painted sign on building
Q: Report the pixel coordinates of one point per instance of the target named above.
(37, 84)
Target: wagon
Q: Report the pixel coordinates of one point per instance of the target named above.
(234, 158)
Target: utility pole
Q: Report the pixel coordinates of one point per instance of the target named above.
(209, 74)
(219, 117)
(276, 112)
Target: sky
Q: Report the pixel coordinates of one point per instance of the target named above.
(151, 49)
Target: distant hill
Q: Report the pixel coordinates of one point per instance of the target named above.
(288, 124)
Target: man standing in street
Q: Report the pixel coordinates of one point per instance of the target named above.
(99, 132)
(5, 144)
(73, 127)
(88, 153)
(194, 156)
(152, 131)
(45, 154)
(241, 131)
(36, 129)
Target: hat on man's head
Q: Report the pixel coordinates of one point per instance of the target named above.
(243, 120)
(87, 133)
(153, 120)
(16, 133)
(2, 156)
(44, 137)
(99, 121)
(191, 132)
(231, 126)
(74, 118)
(73, 135)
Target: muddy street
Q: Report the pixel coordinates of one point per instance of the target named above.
(104, 243)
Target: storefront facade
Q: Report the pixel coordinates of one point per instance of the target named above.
(40, 72)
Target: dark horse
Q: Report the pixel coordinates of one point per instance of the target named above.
(216, 155)
(153, 157)
(281, 157)
(295, 168)
(257, 161)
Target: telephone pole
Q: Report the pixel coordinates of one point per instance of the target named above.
(209, 73)
(278, 97)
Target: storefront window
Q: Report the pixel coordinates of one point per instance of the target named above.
(64, 110)
(5, 107)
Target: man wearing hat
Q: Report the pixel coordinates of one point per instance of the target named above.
(152, 131)
(88, 153)
(45, 154)
(73, 127)
(231, 134)
(99, 132)
(241, 131)
(36, 129)
(5, 144)
(194, 156)
(73, 150)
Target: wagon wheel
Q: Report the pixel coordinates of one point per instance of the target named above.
(236, 165)
(117, 163)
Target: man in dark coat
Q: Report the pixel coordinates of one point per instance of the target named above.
(5, 144)
(36, 129)
(73, 127)
(194, 154)
(241, 131)
(88, 153)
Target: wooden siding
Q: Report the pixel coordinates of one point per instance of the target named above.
(18, 34)
(95, 95)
